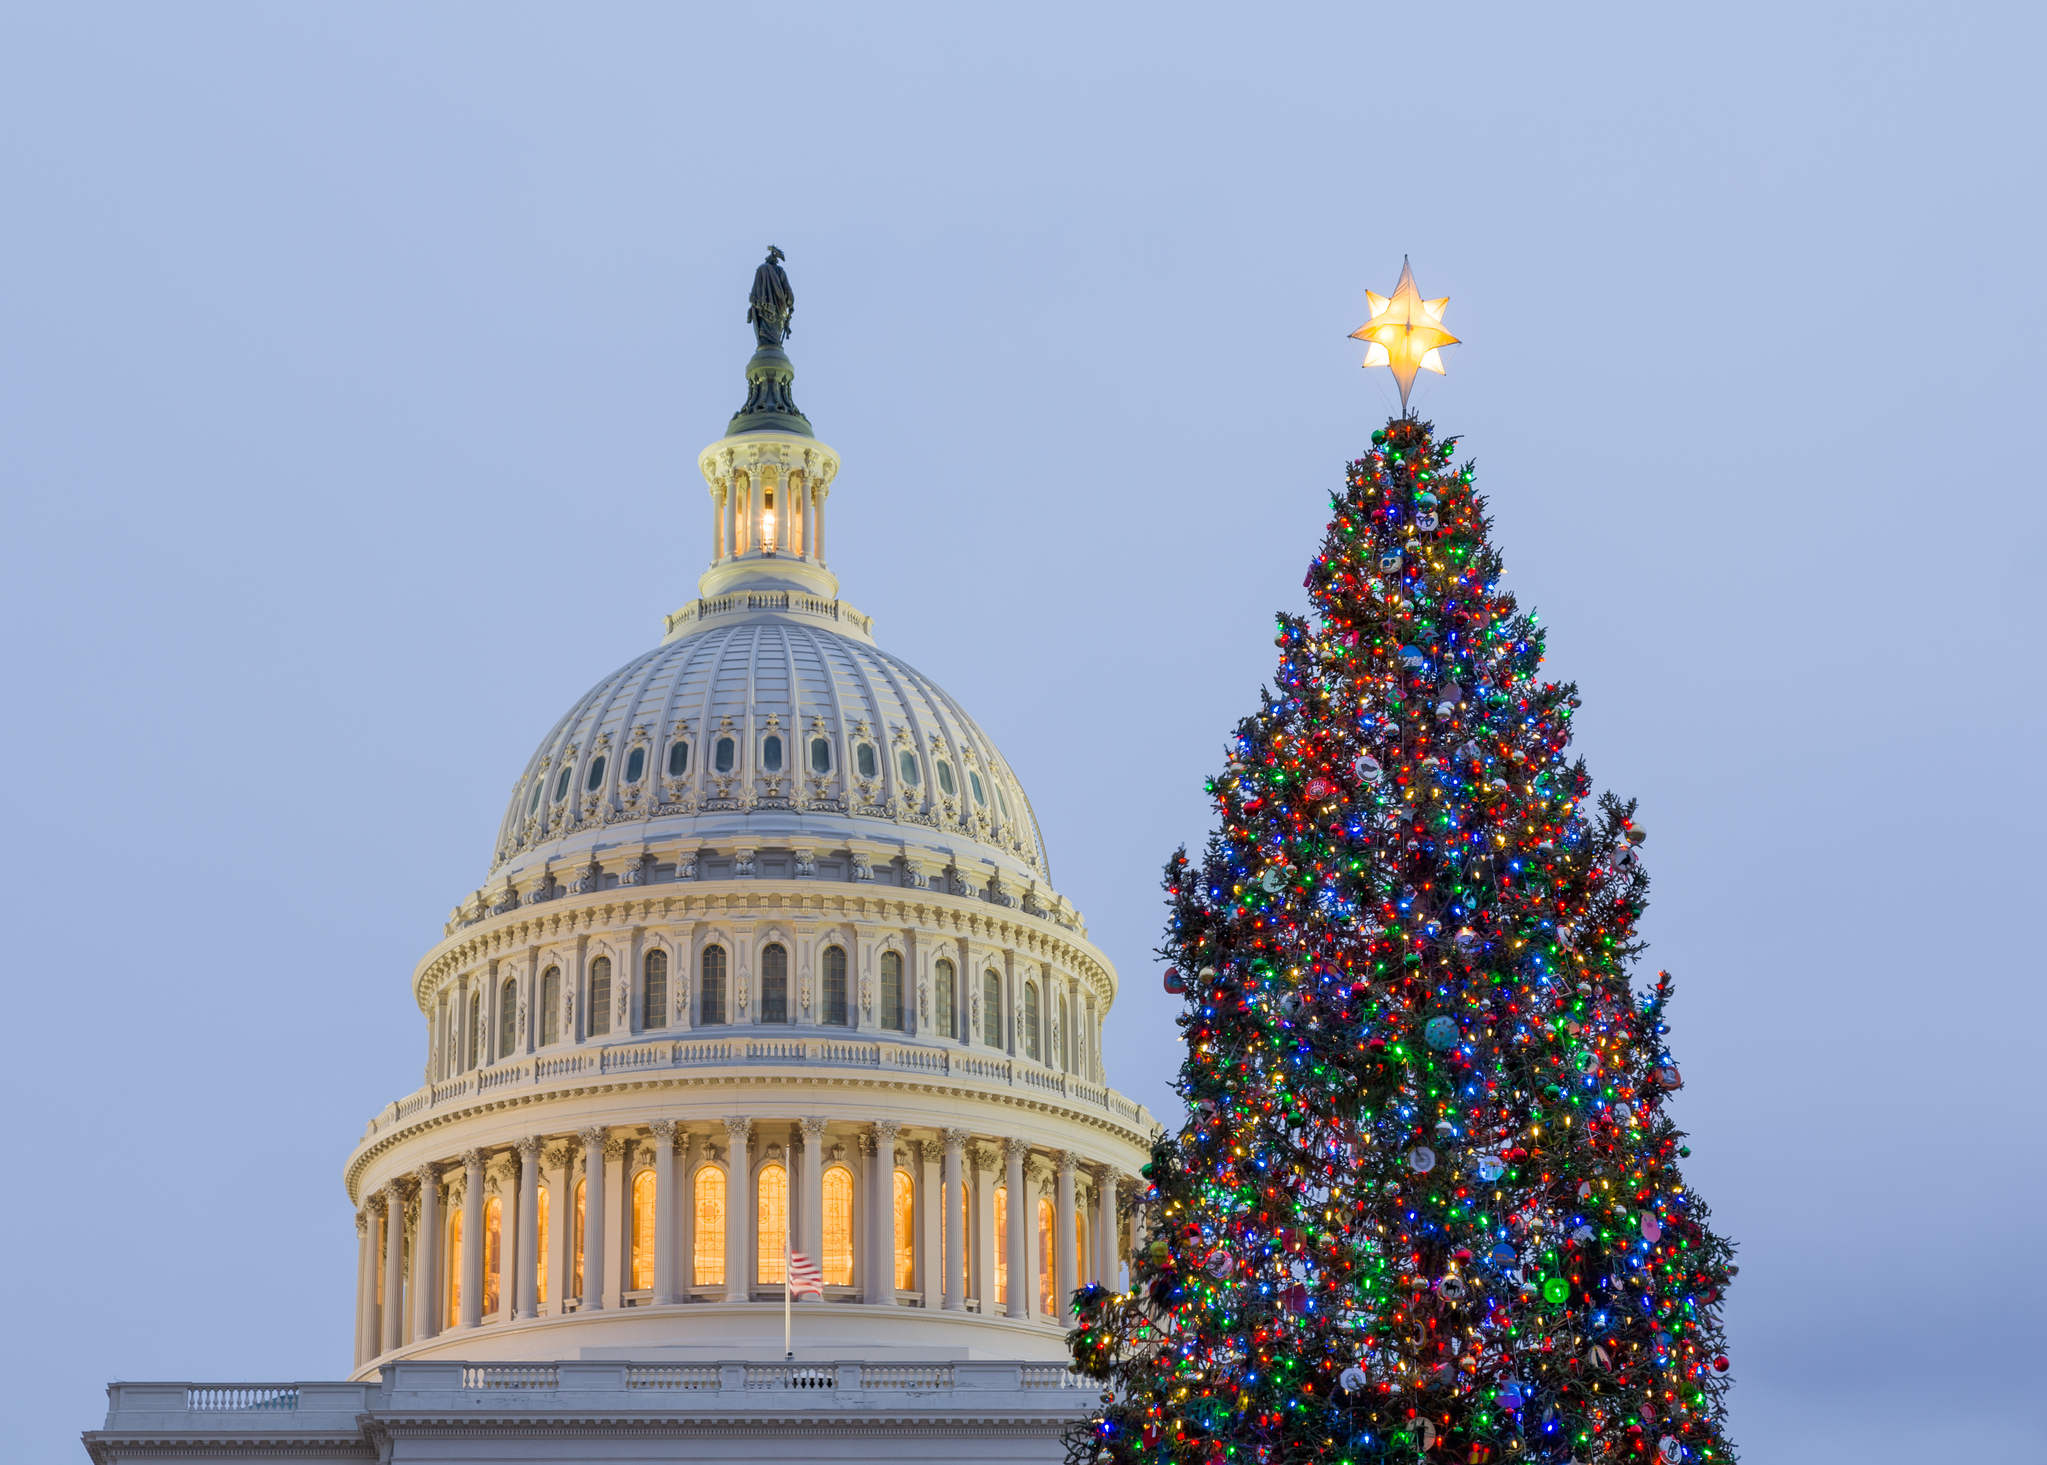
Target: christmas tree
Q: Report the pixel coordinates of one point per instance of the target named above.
(1426, 1203)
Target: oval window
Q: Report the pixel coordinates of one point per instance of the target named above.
(945, 779)
(863, 759)
(678, 758)
(635, 765)
(908, 763)
(771, 754)
(723, 757)
(820, 755)
(974, 779)
(561, 785)
(596, 772)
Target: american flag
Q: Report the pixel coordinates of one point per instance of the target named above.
(804, 1276)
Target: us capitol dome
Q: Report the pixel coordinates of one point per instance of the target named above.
(767, 960)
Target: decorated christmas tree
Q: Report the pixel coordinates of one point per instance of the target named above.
(1427, 1201)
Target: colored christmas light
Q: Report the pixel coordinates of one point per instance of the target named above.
(1426, 1203)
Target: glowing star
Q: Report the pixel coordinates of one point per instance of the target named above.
(1405, 333)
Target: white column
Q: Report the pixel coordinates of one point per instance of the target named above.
(365, 1277)
(686, 1217)
(812, 1244)
(593, 1217)
(881, 1226)
(1021, 1282)
(664, 1211)
(818, 496)
(1105, 1229)
(526, 1256)
(717, 524)
(930, 1221)
(1065, 1246)
(809, 518)
(472, 1238)
(392, 1309)
(739, 1204)
(426, 1254)
(954, 1222)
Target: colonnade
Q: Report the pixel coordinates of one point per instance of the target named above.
(674, 1213)
(739, 505)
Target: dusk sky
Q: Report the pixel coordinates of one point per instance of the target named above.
(354, 361)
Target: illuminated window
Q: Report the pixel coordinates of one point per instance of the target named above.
(643, 1231)
(1001, 1245)
(540, 1260)
(892, 991)
(576, 1245)
(710, 1237)
(654, 991)
(774, 984)
(906, 1231)
(945, 982)
(600, 996)
(838, 1227)
(835, 985)
(493, 1253)
(453, 1267)
(508, 1017)
(773, 1229)
(1030, 1032)
(712, 986)
(551, 1006)
(1046, 1280)
(991, 1009)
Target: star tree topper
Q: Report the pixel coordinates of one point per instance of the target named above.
(1405, 333)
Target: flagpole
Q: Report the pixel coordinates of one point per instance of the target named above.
(787, 1351)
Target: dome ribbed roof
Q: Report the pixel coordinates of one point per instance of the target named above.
(772, 677)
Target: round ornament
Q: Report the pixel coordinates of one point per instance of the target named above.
(1466, 938)
(1220, 1263)
(1555, 1289)
(1175, 983)
(1389, 561)
(1652, 1229)
(1421, 1159)
(1352, 1379)
(1623, 1113)
(1669, 1451)
(1720, 1363)
(1412, 656)
(1490, 1168)
(1502, 1256)
(1321, 788)
(1392, 1187)
(1369, 769)
(1273, 879)
(1452, 1288)
(1425, 1434)
(1598, 1357)
(1669, 1077)
(1208, 974)
(1441, 1033)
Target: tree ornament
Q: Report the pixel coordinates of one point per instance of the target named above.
(1421, 1159)
(1368, 769)
(1175, 983)
(1441, 1033)
(1669, 1450)
(1555, 1289)
(1405, 333)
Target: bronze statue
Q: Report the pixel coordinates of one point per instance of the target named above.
(771, 303)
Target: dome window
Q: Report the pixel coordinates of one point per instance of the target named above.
(991, 1008)
(908, 763)
(820, 755)
(678, 758)
(550, 1006)
(596, 777)
(539, 787)
(835, 985)
(721, 758)
(974, 782)
(561, 785)
(771, 753)
(945, 985)
(863, 759)
(774, 983)
(635, 765)
(711, 987)
(945, 782)
(892, 989)
(1002, 800)
(599, 1008)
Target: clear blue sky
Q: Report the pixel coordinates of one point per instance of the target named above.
(353, 364)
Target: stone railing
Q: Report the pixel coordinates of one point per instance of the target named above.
(747, 602)
(744, 1050)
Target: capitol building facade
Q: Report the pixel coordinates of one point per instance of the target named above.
(768, 960)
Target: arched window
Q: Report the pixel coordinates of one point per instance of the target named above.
(892, 991)
(493, 1253)
(1065, 1037)
(561, 785)
(576, 1244)
(863, 759)
(635, 765)
(711, 986)
(1030, 1032)
(906, 1231)
(540, 1209)
(474, 1027)
(771, 753)
(991, 1008)
(820, 755)
(774, 984)
(678, 758)
(550, 1006)
(974, 781)
(596, 777)
(643, 1232)
(1047, 1276)
(722, 756)
(835, 985)
(654, 991)
(508, 1017)
(600, 997)
(838, 1227)
(709, 1262)
(1001, 1245)
(452, 1266)
(945, 784)
(773, 1228)
(944, 981)
(907, 761)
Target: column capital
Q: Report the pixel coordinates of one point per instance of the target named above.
(395, 1188)
(529, 1148)
(427, 1176)
(362, 1222)
(592, 1138)
(373, 1203)
(1069, 1163)
(664, 1131)
(813, 1128)
(738, 1129)
(887, 1131)
(956, 1141)
(474, 1160)
(1016, 1151)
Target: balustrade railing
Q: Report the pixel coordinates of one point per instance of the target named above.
(674, 1376)
(511, 1376)
(242, 1397)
